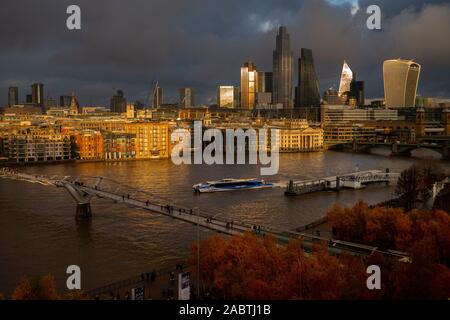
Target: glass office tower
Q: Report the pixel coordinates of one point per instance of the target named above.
(282, 70)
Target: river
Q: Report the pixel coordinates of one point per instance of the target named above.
(39, 233)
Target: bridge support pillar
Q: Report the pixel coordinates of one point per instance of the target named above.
(338, 184)
(83, 211)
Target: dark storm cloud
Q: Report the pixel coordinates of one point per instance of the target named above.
(202, 43)
(391, 8)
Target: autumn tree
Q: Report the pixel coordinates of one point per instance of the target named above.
(248, 267)
(38, 288)
(252, 267)
(415, 183)
(43, 288)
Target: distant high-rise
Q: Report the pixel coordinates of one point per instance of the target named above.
(237, 97)
(401, 78)
(265, 81)
(13, 96)
(186, 98)
(50, 103)
(307, 93)
(157, 96)
(357, 91)
(331, 97)
(249, 84)
(37, 94)
(118, 102)
(64, 101)
(282, 69)
(29, 98)
(346, 79)
(225, 97)
(268, 83)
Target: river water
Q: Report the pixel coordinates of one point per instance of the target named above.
(39, 233)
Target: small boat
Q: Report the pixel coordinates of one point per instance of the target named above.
(231, 185)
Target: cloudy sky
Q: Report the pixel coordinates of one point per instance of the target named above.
(131, 44)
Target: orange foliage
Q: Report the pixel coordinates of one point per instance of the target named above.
(42, 288)
(394, 229)
(247, 267)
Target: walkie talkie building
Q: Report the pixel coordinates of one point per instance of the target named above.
(401, 78)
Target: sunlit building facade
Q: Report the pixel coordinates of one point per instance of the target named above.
(88, 145)
(346, 79)
(225, 97)
(152, 139)
(249, 85)
(401, 78)
(119, 146)
(35, 144)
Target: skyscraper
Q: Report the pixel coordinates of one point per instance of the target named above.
(249, 84)
(13, 96)
(268, 83)
(282, 69)
(157, 96)
(37, 94)
(265, 81)
(307, 93)
(64, 101)
(401, 78)
(357, 91)
(225, 97)
(118, 102)
(346, 79)
(186, 98)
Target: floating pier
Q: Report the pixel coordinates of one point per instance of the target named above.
(355, 180)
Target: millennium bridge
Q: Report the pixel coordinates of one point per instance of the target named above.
(84, 188)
